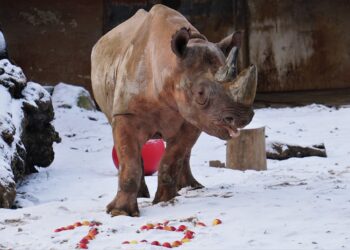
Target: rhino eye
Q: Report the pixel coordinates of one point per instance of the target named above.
(201, 95)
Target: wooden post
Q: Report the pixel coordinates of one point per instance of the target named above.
(247, 151)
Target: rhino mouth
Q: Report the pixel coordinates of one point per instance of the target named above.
(224, 131)
(232, 131)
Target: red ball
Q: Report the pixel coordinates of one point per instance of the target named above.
(152, 152)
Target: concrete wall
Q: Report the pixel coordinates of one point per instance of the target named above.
(52, 40)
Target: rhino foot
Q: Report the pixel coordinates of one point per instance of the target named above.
(120, 206)
(194, 184)
(165, 193)
(143, 193)
(187, 180)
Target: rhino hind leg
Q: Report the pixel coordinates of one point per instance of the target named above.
(185, 177)
(130, 175)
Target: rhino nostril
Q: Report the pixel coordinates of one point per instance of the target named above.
(228, 119)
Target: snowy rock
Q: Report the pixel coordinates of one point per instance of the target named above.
(12, 78)
(26, 133)
(3, 50)
(11, 164)
(68, 96)
(38, 134)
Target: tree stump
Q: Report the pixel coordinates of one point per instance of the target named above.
(247, 151)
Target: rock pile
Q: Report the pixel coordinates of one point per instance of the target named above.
(26, 132)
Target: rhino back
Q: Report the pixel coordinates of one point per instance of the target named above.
(105, 59)
(135, 60)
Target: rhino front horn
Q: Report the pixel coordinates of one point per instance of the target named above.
(243, 88)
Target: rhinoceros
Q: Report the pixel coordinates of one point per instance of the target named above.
(156, 76)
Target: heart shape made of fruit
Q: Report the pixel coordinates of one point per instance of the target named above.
(188, 235)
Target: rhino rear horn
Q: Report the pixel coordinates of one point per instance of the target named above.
(228, 72)
(243, 88)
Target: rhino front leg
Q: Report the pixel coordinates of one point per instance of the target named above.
(185, 177)
(143, 190)
(129, 151)
(167, 173)
(177, 153)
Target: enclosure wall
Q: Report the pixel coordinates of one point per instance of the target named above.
(297, 44)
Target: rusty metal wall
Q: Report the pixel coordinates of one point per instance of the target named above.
(297, 44)
(213, 18)
(300, 45)
(52, 40)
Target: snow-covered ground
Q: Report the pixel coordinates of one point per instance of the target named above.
(295, 204)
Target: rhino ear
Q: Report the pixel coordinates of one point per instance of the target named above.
(230, 41)
(179, 42)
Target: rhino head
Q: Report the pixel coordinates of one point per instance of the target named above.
(209, 94)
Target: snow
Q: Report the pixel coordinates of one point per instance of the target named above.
(299, 203)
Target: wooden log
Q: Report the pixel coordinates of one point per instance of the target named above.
(216, 164)
(247, 151)
(283, 151)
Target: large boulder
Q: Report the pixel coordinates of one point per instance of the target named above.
(69, 96)
(38, 133)
(26, 132)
